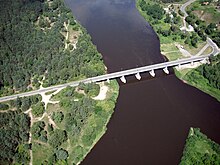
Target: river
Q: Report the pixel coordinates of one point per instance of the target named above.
(152, 117)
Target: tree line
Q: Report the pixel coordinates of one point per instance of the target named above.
(211, 71)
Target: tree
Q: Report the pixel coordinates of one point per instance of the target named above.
(57, 138)
(26, 103)
(61, 154)
(57, 116)
(4, 106)
(50, 128)
(167, 19)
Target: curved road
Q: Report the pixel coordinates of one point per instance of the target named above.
(183, 7)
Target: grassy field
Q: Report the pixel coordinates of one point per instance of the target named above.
(41, 152)
(208, 13)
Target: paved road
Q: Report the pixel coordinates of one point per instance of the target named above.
(109, 76)
(215, 48)
(183, 7)
(209, 41)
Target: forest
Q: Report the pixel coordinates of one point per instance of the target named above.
(200, 150)
(14, 128)
(32, 41)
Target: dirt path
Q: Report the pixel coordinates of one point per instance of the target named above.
(29, 112)
(67, 34)
(102, 93)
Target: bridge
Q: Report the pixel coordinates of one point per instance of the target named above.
(121, 74)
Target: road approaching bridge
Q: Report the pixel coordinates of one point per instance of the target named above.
(120, 74)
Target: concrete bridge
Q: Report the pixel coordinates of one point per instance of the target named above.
(151, 69)
(121, 74)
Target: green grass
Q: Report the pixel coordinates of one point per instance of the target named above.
(199, 149)
(170, 51)
(48, 93)
(208, 50)
(209, 10)
(194, 50)
(40, 153)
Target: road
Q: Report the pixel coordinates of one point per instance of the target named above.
(209, 41)
(183, 7)
(215, 48)
(109, 76)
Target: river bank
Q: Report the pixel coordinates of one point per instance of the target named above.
(176, 47)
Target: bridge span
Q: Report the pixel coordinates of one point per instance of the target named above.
(120, 74)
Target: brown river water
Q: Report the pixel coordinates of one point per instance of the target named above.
(153, 116)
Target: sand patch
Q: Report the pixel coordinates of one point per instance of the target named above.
(102, 93)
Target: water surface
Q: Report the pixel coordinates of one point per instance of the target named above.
(153, 116)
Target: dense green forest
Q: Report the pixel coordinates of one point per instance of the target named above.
(32, 41)
(200, 150)
(14, 128)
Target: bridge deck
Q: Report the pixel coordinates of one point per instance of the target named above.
(110, 76)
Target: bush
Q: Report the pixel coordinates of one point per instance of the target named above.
(57, 117)
(57, 138)
(4, 106)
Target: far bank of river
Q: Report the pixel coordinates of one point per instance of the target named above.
(173, 46)
(152, 117)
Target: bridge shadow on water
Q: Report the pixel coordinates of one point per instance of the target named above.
(145, 76)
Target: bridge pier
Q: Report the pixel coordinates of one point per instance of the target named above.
(192, 63)
(138, 76)
(166, 70)
(152, 73)
(123, 79)
(108, 81)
